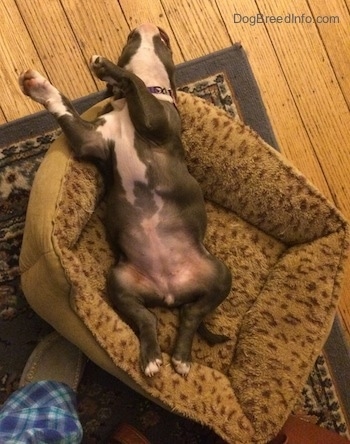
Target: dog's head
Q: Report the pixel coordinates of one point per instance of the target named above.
(148, 54)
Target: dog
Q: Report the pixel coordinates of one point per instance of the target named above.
(155, 217)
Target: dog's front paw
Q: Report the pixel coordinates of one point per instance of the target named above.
(34, 85)
(103, 68)
(181, 367)
(97, 65)
(109, 72)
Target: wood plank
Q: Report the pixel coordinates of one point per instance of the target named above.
(2, 117)
(320, 102)
(151, 11)
(283, 113)
(57, 46)
(98, 30)
(17, 52)
(198, 26)
(336, 39)
(318, 97)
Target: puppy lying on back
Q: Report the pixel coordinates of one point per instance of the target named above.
(156, 219)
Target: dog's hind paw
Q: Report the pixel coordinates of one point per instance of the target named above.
(153, 367)
(182, 368)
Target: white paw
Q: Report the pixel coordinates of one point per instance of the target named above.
(94, 59)
(34, 85)
(182, 368)
(153, 367)
(96, 65)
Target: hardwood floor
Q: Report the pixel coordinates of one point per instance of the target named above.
(302, 68)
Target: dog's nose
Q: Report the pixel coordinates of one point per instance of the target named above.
(147, 28)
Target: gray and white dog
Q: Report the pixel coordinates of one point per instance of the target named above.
(156, 219)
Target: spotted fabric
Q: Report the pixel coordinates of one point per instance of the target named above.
(285, 245)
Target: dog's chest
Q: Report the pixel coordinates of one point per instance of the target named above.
(118, 128)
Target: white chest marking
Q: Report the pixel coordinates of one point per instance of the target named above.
(147, 65)
(119, 128)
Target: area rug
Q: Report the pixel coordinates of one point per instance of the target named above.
(225, 79)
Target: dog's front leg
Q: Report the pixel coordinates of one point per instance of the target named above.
(81, 135)
(146, 111)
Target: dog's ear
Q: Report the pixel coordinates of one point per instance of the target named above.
(130, 34)
(164, 36)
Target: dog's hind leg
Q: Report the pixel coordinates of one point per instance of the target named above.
(129, 303)
(192, 315)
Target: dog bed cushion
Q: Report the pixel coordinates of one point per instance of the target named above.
(283, 241)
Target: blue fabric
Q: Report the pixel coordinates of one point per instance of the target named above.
(41, 412)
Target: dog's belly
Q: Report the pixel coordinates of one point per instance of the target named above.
(171, 281)
(163, 269)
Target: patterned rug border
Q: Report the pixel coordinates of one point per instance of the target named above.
(337, 353)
